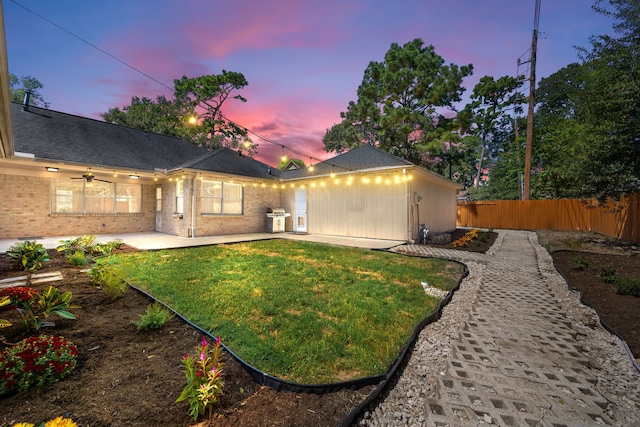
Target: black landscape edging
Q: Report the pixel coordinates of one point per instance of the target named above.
(401, 361)
(278, 384)
(275, 383)
(602, 322)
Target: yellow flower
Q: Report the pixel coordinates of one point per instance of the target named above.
(60, 422)
(23, 425)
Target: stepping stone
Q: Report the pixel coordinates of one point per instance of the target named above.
(35, 278)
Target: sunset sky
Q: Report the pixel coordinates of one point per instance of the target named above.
(303, 59)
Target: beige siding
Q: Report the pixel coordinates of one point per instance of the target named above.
(356, 210)
(437, 209)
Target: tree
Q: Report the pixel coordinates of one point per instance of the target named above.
(195, 113)
(613, 105)
(401, 103)
(162, 116)
(18, 86)
(486, 117)
(209, 93)
(564, 137)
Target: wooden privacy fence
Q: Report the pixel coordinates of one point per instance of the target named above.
(621, 220)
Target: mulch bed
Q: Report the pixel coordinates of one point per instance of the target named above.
(126, 377)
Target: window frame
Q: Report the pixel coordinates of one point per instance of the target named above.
(219, 203)
(179, 199)
(64, 194)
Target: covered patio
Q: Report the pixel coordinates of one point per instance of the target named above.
(154, 240)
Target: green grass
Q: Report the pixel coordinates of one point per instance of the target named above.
(300, 311)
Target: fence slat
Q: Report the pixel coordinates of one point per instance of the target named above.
(621, 220)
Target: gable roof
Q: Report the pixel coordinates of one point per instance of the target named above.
(364, 157)
(54, 136)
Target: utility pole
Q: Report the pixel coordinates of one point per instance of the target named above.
(532, 87)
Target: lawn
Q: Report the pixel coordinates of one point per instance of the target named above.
(304, 312)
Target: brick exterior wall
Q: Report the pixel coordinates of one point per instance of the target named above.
(25, 212)
(254, 220)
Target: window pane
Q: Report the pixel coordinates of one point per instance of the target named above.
(211, 205)
(232, 207)
(158, 199)
(128, 198)
(179, 196)
(211, 189)
(67, 196)
(100, 197)
(233, 191)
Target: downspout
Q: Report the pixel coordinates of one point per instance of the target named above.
(192, 229)
(412, 205)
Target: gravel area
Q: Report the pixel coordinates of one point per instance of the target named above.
(525, 379)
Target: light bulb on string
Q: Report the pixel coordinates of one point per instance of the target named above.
(311, 164)
(284, 156)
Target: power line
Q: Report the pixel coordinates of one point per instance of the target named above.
(263, 138)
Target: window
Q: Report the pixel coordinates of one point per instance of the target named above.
(222, 198)
(69, 196)
(180, 196)
(158, 199)
(128, 197)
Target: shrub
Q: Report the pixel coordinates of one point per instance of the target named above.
(42, 305)
(607, 274)
(78, 258)
(35, 361)
(107, 248)
(204, 382)
(628, 285)
(582, 263)
(28, 254)
(85, 244)
(154, 317)
(112, 286)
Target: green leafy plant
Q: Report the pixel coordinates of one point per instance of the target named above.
(29, 254)
(154, 317)
(78, 258)
(582, 263)
(107, 248)
(35, 361)
(84, 244)
(112, 285)
(628, 285)
(607, 274)
(204, 378)
(50, 301)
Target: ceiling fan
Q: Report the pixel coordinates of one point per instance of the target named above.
(89, 177)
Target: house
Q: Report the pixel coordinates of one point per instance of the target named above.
(71, 175)
(367, 192)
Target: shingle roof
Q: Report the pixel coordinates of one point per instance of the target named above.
(56, 136)
(224, 160)
(365, 157)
